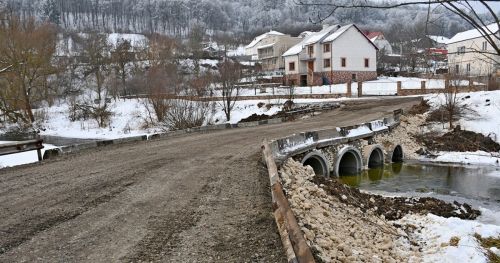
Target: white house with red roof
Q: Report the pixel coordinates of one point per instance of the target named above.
(380, 41)
(336, 54)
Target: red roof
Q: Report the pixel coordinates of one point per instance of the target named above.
(437, 51)
(372, 35)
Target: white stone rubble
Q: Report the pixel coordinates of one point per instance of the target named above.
(338, 232)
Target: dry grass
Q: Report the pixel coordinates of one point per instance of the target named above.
(488, 243)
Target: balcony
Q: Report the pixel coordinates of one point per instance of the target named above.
(307, 57)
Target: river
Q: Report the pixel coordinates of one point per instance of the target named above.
(476, 185)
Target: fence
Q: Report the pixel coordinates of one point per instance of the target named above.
(24, 146)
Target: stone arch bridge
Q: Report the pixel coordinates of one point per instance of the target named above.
(344, 150)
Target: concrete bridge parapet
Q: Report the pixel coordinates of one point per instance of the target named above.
(342, 150)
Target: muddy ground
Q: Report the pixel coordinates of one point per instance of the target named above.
(458, 141)
(394, 208)
(198, 198)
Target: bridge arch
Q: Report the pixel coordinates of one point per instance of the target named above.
(373, 156)
(397, 154)
(318, 162)
(349, 161)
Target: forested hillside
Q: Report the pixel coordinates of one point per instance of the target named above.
(242, 17)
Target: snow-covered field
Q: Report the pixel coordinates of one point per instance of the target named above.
(21, 158)
(484, 118)
(129, 118)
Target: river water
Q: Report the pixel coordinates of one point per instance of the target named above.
(476, 185)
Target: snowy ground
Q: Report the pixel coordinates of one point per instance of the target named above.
(485, 104)
(434, 234)
(467, 158)
(21, 158)
(129, 118)
(484, 119)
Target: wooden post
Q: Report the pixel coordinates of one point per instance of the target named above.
(422, 86)
(360, 88)
(400, 88)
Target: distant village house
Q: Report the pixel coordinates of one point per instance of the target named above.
(470, 54)
(268, 48)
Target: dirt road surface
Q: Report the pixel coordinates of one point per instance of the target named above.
(196, 198)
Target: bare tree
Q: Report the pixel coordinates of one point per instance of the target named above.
(230, 74)
(121, 56)
(452, 107)
(96, 52)
(26, 50)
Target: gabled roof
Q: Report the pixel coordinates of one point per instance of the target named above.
(319, 36)
(343, 29)
(257, 39)
(328, 34)
(473, 33)
(312, 38)
(337, 33)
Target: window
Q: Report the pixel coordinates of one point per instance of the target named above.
(326, 63)
(343, 62)
(468, 67)
(326, 48)
(354, 77)
(310, 50)
(485, 45)
(367, 62)
(460, 50)
(291, 66)
(457, 69)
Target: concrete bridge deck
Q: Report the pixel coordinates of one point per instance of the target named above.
(195, 198)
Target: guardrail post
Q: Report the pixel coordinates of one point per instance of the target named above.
(39, 153)
(422, 86)
(400, 88)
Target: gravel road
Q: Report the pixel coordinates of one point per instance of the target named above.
(196, 198)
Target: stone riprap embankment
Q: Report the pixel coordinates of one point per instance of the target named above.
(337, 232)
(404, 134)
(342, 224)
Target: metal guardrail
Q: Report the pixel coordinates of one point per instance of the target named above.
(24, 146)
